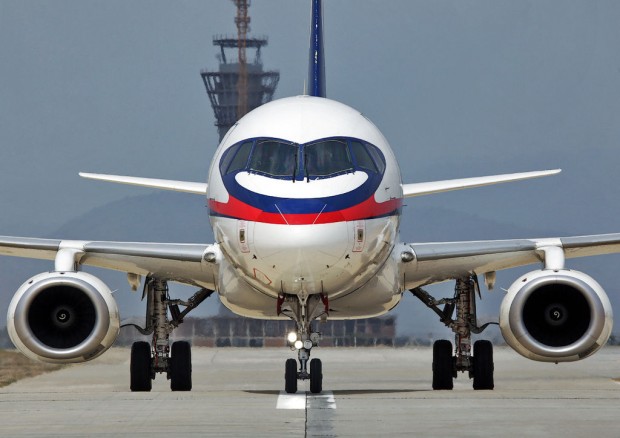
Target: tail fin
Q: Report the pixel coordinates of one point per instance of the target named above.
(316, 71)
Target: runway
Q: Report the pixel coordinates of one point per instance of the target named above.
(368, 392)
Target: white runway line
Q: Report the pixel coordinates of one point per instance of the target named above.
(291, 401)
(302, 400)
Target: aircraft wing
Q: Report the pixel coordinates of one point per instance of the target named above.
(429, 188)
(436, 262)
(162, 184)
(185, 263)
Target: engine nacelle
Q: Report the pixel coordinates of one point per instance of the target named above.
(63, 317)
(556, 316)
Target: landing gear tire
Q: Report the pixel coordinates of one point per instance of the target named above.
(181, 366)
(443, 365)
(316, 376)
(140, 379)
(483, 365)
(290, 376)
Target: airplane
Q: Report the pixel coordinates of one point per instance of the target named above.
(305, 197)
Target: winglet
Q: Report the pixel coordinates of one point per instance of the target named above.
(316, 70)
(428, 188)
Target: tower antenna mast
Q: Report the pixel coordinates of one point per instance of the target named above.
(242, 20)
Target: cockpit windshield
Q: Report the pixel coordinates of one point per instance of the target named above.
(315, 160)
(274, 158)
(327, 158)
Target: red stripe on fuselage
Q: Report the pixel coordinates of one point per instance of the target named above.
(368, 209)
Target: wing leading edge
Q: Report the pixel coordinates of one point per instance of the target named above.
(436, 262)
(186, 263)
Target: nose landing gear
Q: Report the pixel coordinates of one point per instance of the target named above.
(303, 312)
(314, 372)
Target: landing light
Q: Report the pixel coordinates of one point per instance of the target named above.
(406, 256)
(299, 345)
(291, 337)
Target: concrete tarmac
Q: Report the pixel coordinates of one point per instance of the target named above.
(368, 392)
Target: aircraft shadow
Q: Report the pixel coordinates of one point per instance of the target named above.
(346, 391)
(377, 391)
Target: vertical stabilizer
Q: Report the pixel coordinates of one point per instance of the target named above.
(316, 72)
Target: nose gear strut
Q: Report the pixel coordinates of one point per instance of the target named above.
(304, 310)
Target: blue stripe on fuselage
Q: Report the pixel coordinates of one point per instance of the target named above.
(274, 204)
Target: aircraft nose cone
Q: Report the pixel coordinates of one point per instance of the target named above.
(301, 251)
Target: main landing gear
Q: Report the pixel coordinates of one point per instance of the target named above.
(303, 311)
(157, 357)
(446, 365)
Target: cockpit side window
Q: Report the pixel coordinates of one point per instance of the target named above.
(238, 158)
(362, 157)
(227, 157)
(327, 158)
(274, 158)
(377, 156)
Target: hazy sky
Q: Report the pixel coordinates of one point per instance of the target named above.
(459, 88)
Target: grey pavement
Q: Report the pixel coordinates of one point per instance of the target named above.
(368, 392)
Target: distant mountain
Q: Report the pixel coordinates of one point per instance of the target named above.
(156, 217)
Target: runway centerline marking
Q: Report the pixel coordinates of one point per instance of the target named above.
(324, 400)
(303, 400)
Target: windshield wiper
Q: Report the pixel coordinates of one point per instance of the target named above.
(306, 165)
(296, 164)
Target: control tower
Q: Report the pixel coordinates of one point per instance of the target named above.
(239, 85)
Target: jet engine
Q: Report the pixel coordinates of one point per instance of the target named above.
(63, 317)
(556, 316)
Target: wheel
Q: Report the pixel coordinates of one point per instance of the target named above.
(290, 376)
(443, 368)
(181, 366)
(316, 376)
(483, 365)
(140, 367)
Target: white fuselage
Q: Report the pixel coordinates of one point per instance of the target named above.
(304, 196)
